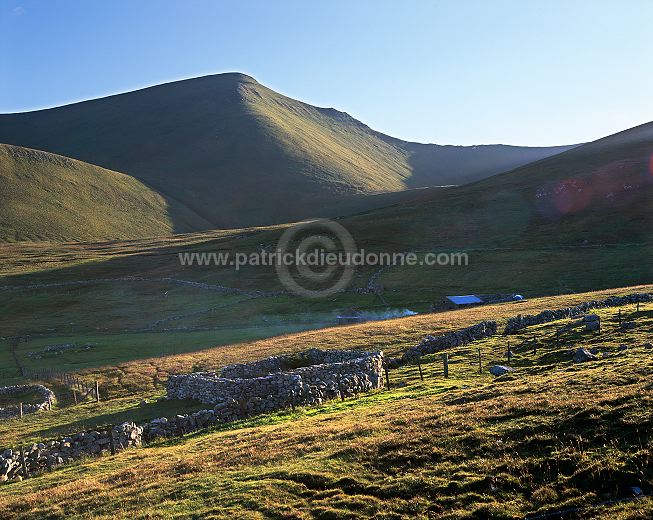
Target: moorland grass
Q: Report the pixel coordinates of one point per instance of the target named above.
(553, 435)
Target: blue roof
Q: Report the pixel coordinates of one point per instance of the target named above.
(464, 300)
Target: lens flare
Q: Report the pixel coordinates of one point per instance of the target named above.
(572, 196)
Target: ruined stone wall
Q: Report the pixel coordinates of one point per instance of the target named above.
(314, 377)
(289, 362)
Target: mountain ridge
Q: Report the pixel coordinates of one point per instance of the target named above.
(240, 154)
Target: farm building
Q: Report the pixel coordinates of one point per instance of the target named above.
(350, 316)
(458, 302)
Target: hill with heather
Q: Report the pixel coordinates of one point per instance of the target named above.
(239, 154)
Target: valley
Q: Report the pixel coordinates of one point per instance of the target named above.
(489, 354)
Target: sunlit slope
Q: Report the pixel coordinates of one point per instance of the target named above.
(550, 437)
(240, 154)
(50, 197)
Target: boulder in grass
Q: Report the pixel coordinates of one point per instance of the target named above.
(499, 370)
(582, 355)
(591, 318)
(592, 326)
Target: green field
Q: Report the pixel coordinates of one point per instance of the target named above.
(530, 231)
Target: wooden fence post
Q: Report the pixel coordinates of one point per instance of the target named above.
(419, 367)
(445, 360)
(20, 406)
(23, 461)
(97, 392)
(387, 377)
(480, 362)
(112, 444)
(75, 395)
(509, 353)
(534, 345)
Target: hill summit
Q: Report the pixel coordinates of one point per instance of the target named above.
(237, 153)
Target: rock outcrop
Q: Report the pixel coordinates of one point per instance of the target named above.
(582, 354)
(499, 370)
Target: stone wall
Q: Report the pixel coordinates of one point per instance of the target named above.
(306, 378)
(49, 454)
(520, 322)
(289, 362)
(46, 397)
(433, 344)
(317, 376)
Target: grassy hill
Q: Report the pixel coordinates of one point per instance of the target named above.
(596, 194)
(131, 298)
(49, 197)
(553, 436)
(239, 154)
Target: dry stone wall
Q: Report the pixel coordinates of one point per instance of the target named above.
(308, 378)
(241, 390)
(17, 464)
(520, 322)
(289, 362)
(46, 397)
(433, 344)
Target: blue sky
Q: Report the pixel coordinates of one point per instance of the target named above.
(450, 72)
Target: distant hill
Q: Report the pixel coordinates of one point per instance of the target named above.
(44, 196)
(238, 154)
(596, 194)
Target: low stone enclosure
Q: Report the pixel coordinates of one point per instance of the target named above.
(304, 379)
(46, 398)
(241, 390)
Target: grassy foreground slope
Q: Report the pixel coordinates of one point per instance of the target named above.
(50, 197)
(238, 153)
(552, 436)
